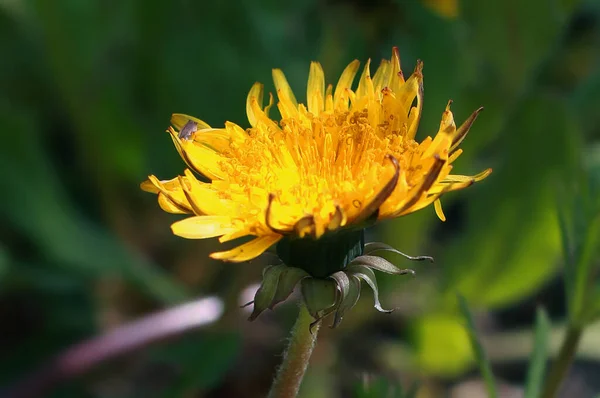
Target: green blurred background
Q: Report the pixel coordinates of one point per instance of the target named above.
(86, 92)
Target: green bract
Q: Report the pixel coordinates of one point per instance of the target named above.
(329, 271)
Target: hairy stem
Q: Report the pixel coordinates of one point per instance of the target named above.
(297, 355)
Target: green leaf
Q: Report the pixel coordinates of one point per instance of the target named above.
(537, 364)
(511, 241)
(484, 365)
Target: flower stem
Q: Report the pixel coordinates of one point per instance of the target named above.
(563, 362)
(295, 360)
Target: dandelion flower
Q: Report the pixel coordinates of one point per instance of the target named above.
(321, 173)
(345, 157)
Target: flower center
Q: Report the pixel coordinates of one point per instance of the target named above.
(325, 256)
(318, 165)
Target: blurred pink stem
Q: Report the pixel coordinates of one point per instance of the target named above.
(81, 357)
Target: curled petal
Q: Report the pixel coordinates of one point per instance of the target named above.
(373, 247)
(438, 210)
(170, 195)
(366, 274)
(380, 264)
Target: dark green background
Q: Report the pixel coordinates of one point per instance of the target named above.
(86, 92)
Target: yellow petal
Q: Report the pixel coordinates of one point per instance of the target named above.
(329, 99)
(217, 139)
(235, 235)
(283, 87)
(413, 88)
(236, 133)
(169, 206)
(443, 140)
(454, 155)
(453, 186)
(364, 81)
(202, 227)
(206, 200)
(396, 76)
(447, 125)
(148, 186)
(440, 146)
(268, 107)
(199, 157)
(438, 209)
(204, 160)
(340, 97)
(255, 94)
(461, 178)
(249, 250)
(261, 115)
(382, 75)
(315, 90)
(178, 120)
(171, 197)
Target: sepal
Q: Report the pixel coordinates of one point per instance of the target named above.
(277, 285)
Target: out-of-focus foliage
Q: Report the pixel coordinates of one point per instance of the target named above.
(86, 92)
(539, 356)
(376, 387)
(484, 364)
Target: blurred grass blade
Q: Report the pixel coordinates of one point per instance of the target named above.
(376, 386)
(564, 223)
(480, 357)
(537, 365)
(579, 216)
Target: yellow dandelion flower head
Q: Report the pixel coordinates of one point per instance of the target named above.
(347, 157)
